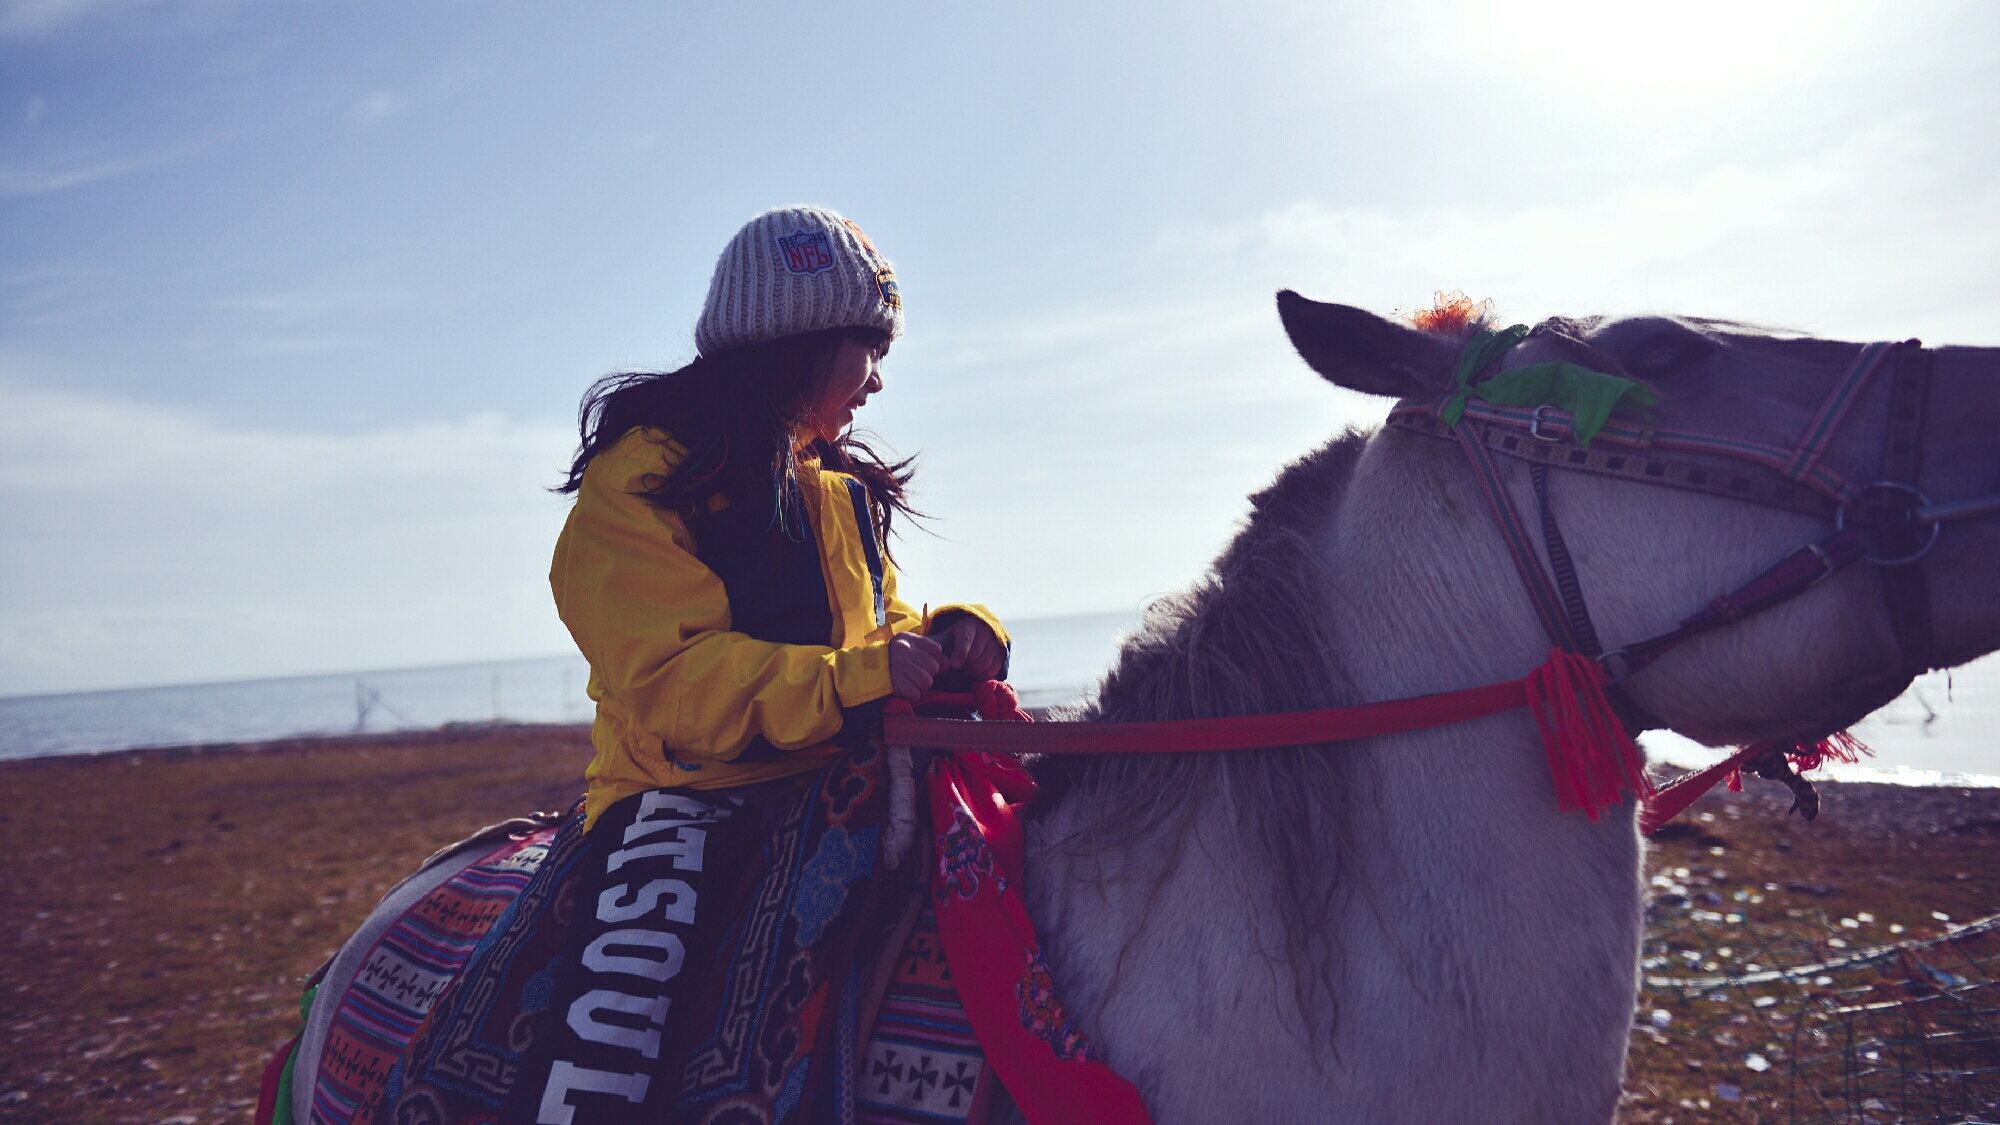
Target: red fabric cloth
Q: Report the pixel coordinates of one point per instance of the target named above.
(996, 960)
(1041, 1056)
(274, 1074)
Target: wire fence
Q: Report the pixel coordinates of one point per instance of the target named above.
(1750, 1013)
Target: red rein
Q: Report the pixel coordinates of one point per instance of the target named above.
(1591, 759)
(1590, 756)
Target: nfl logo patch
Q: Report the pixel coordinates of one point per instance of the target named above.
(885, 280)
(807, 252)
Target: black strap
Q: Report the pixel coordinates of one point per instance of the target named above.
(1907, 588)
(1581, 630)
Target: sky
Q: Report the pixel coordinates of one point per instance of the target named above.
(297, 299)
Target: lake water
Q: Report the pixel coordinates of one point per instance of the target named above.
(1944, 730)
(1056, 659)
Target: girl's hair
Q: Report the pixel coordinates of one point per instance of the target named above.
(736, 413)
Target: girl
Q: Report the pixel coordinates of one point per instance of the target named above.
(726, 572)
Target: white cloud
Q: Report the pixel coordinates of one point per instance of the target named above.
(142, 544)
(304, 345)
(17, 181)
(1090, 457)
(32, 17)
(291, 306)
(29, 18)
(378, 105)
(1868, 237)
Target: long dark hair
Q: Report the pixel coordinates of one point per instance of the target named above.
(736, 412)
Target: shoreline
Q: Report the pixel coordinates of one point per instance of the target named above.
(447, 734)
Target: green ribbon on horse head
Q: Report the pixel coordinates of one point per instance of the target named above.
(1589, 396)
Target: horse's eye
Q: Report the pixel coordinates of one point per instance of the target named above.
(1655, 361)
(1665, 353)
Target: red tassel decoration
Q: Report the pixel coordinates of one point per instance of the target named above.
(1840, 746)
(1591, 758)
(995, 700)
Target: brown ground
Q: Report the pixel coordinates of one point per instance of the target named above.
(166, 903)
(1880, 857)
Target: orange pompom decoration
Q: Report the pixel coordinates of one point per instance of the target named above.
(1450, 314)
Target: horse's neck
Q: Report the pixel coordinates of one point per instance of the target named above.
(1475, 932)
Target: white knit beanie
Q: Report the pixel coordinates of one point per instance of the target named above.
(793, 270)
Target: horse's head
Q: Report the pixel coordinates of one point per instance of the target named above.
(1749, 403)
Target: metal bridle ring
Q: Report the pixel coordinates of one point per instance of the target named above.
(1617, 665)
(1840, 521)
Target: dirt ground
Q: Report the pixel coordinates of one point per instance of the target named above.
(1748, 888)
(165, 904)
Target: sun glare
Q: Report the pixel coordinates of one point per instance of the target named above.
(1689, 45)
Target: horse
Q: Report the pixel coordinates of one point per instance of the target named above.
(1406, 928)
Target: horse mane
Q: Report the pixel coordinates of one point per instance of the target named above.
(1253, 635)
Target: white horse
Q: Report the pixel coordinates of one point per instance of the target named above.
(1406, 929)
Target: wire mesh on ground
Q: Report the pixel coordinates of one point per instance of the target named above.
(1785, 1014)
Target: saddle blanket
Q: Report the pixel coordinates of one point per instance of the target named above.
(383, 982)
(923, 1065)
(435, 998)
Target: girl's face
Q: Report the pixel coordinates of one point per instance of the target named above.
(856, 373)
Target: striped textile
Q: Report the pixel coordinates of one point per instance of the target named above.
(405, 971)
(923, 1065)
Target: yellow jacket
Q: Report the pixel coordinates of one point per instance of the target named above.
(680, 696)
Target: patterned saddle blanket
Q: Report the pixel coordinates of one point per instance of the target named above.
(424, 1012)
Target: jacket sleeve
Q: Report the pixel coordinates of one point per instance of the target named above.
(654, 624)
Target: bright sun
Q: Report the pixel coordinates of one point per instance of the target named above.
(1689, 44)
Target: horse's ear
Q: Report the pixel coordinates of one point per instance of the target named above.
(1358, 350)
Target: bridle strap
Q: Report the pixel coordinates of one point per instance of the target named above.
(1804, 485)
(1908, 588)
(1575, 610)
(1547, 443)
(1796, 573)
(1819, 432)
(1547, 600)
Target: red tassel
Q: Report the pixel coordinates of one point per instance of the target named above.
(1840, 746)
(996, 701)
(1591, 758)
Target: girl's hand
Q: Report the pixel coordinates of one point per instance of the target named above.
(913, 661)
(975, 649)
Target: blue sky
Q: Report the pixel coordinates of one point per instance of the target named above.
(297, 299)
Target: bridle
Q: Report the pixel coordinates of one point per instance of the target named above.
(1586, 722)
(1888, 521)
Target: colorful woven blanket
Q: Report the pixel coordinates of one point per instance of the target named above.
(451, 986)
(380, 987)
(773, 1031)
(777, 1022)
(923, 1065)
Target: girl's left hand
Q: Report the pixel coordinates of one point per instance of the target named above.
(975, 649)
